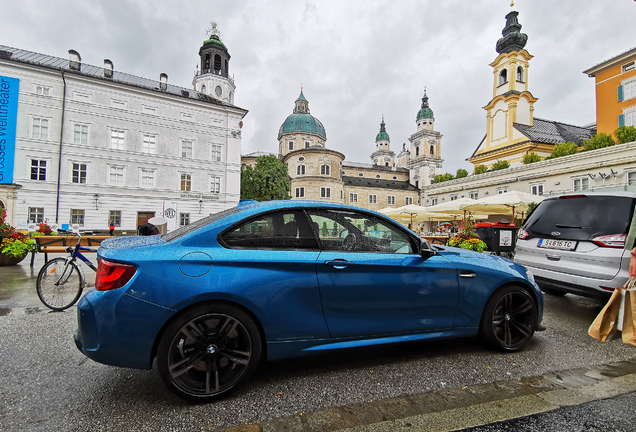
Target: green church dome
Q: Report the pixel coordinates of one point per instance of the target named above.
(302, 122)
(425, 111)
(382, 135)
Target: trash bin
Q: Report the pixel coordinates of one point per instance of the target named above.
(499, 237)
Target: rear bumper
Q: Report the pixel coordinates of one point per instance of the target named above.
(572, 288)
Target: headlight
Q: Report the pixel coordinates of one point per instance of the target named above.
(529, 275)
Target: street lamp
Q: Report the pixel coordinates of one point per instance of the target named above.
(200, 205)
(96, 198)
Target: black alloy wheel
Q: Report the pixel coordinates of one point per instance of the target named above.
(208, 351)
(509, 319)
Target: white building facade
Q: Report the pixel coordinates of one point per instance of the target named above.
(94, 145)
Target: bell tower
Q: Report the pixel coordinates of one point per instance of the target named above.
(213, 76)
(383, 155)
(425, 160)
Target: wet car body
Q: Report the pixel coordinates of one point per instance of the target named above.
(302, 300)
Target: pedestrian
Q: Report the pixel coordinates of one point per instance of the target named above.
(111, 227)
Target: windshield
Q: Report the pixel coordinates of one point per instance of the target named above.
(581, 217)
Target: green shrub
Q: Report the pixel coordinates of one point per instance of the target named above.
(499, 165)
(461, 173)
(625, 134)
(480, 169)
(563, 149)
(598, 141)
(531, 158)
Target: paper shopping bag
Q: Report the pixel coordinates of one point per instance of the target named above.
(629, 319)
(604, 325)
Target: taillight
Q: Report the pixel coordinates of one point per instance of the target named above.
(522, 234)
(112, 275)
(614, 240)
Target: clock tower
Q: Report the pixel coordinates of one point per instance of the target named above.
(425, 159)
(213, 76)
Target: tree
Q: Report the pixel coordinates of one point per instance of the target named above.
(531, 158)
(442, 177)
(268, 180)
(461, 173)
(324, 229)
(625, 134)
(499, 165)
(480, 169)
(598, 141)
(563, 149)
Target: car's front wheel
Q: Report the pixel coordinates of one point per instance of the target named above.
(208, 351)
(509, 319)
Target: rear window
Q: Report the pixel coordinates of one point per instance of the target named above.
(581, 218)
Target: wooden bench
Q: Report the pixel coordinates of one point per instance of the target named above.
(440, 240)
(59, 243)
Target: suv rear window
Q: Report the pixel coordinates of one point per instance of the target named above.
(581, 218)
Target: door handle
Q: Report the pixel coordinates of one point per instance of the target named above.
(338, 263)
(467, 275)
(552, 257)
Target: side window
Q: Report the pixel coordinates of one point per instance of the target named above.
(358, 232)
(287, 230)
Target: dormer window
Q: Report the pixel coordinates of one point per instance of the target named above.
(503, 77)
(629, 67)
(520, 74)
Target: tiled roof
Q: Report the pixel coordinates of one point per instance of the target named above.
(50, 62)
(371, 166)
(551, 132)
(378, 183)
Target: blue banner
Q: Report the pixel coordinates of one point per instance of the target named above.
(9, 90)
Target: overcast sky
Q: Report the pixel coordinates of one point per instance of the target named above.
(357, 60)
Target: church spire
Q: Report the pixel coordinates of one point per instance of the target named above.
(513, 39)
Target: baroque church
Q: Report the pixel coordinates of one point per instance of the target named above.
(320, 173)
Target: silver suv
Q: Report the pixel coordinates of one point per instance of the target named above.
(574, 243)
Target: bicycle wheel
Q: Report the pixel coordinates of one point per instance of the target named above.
(59, 286)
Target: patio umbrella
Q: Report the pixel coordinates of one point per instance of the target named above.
(505, 203)
(451, 207)
(415, 212)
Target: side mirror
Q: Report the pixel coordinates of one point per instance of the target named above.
(426, 250)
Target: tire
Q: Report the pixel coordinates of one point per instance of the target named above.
(59, 291)
(509, 319)
(208, 351)
(552, 292)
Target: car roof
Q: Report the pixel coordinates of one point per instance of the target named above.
(593, 194)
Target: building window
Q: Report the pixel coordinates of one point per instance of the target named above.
(186, 182)
(39, 128)
(184, 219)
(390, 200)
(114, 216)
(502, 190)
(117, 139)
(148, 143)
(631, 178)
(38, 169)
(300, 170)
(147, 180)
(360, 174)
(300, 159)
(628, 67)
(79, 173)
(373, 199)
(116, 175)
(474, 195)
(307, 144)
(148, 109)
(536, 189)
(300, 192)
(117, 104)
(186, 149)
(408, 200)
(580, 183)
(629, 117)
(215, 184)
(291, 145)
(353, 197)
(42, 90)
(77, 217)
(433, 201)
(80, 134)
(325, 192)
(453, 197)
(342, 195)
(629, 89)
(503, 77)
(215, 153)
(325, 169)
(394, 177)
(36, 214)
(520, 74)
(417, 151)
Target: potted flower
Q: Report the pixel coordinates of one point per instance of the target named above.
(467, 238)
(14, 245)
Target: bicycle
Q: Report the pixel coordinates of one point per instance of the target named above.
(61, 281)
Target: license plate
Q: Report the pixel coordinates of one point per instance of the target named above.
(557, 244)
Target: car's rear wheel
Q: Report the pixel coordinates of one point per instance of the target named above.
(509, 319)
(208, 351)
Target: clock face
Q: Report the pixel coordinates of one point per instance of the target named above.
(218, 90)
